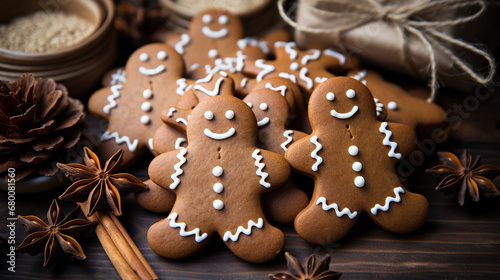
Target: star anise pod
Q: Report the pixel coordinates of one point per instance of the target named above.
(59, 234)
(99, 186)
(312, 271)
(465, 175)
(38, 123)
(136, 21)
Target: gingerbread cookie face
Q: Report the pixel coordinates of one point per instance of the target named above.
(133, 107)
(351, 156)
(218, 180)
(401, 107)
(172, 134)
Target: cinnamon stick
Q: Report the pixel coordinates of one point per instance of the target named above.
(121, 243)
(119, 246)
(133, 246)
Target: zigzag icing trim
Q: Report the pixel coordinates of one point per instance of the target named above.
(179, 46)
(119, 77)
(178, 170)
(288, 48)
(131, 145)
(314, 56)
(196, 232)
(260, 165)
(111, 98)
(314, 154)
(281, 88)
(345, 211)
(247, 231)
(150, 144)
(266, 69)
(213, 92)
(289, 76)
(335, 54)
(183, 86)
(288, 140)
(319, 80)
(303, 77)
(389, 143)
(388, 200)
(178, 143)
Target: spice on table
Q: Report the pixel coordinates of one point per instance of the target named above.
(311, 271)
(38, 123)
(98, 192)
(60, 233)
(43, 32)
(465, 175)
(98, 185)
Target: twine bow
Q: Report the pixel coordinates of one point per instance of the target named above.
(405, 19)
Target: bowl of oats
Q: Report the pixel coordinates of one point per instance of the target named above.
(72, 42)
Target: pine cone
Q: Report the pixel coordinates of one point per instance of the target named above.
(38, 122)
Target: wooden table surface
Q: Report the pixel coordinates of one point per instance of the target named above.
(455, 242)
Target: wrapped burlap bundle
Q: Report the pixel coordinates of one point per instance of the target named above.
(417, 37)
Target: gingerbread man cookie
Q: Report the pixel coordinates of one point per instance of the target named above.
(351, 156)
(172, 134)
(401, 106)
(214, 37)
(133, 107)
(271, 110)
(305, 68)
(218, 180)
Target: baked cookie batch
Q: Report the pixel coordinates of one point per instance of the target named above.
(236, 123)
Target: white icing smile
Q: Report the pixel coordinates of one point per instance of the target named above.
(344, 115)
(151, 72)
(219, 136)
(263, 122)
(214, 34)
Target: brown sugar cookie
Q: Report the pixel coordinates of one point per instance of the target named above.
(401, 106)
(351, 156)
(213, 38)
(271, 110)
(133, 107)
(218, 180)
(305, 68)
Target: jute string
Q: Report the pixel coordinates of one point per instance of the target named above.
(405, 18)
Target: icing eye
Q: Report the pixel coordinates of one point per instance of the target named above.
(250, 105)
(223, 19)
(206, 18)
(263, 106)
(143, 57)
(213, 53)
(161, 55)
(209, 115)
(330, 96)
(350, 93)
(229, 114)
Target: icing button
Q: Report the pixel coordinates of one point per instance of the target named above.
(218, 187)
(145, 119)
(357, 166)
(392, 105)
(359, 181)
(353, 150)
(146, 106)
(218, 204)
(217, 171)
(147, 93)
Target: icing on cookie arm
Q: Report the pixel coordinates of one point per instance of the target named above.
(273, 168)
(167, 169)
(99, 100)
(401, 135)
(299, 155)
